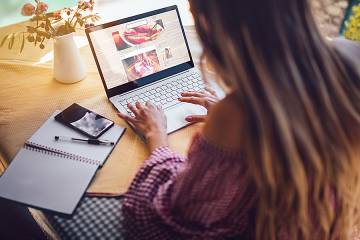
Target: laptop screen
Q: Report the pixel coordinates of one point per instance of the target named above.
(133, 50)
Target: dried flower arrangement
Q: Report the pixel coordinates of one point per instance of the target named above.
(50, 25)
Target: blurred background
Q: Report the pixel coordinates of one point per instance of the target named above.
(109, 10)
(328, 13)
(10, 9)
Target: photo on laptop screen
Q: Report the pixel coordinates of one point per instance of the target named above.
(129, 51)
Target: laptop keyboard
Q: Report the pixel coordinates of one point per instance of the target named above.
(165, 94)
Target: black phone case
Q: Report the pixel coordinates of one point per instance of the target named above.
(59, 119)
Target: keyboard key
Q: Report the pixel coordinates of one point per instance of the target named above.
(168, 93)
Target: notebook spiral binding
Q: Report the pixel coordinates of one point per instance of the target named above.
(55, 152)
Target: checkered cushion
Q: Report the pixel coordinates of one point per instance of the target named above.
(95, 218)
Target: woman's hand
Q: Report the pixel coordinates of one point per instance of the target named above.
(205, 98)
(150, 120)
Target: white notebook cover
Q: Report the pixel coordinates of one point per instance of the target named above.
(46, 181)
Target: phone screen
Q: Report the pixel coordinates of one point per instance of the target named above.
(84, 120)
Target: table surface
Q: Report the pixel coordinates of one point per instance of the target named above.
(29, 95)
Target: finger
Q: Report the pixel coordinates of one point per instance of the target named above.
(159, 108)
(134, 110)
(138, 105)
(193, 100)
(211, 90)
(149, 104)
(127, 118)
(141, 109)
(192, 94)
(196, 118)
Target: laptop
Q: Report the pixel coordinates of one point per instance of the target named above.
(147, 58)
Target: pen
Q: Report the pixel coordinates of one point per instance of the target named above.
(87, 140)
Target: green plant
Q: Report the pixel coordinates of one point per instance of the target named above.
(352, 26)
(50, 25)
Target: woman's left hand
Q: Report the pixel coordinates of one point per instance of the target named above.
(206, 98)
(150, 120)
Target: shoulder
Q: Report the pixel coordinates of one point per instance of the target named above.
(348, 49)
(225, 123)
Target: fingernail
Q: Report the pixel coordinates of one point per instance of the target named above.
(188, 118)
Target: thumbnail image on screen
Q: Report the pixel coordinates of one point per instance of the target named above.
(132, 50)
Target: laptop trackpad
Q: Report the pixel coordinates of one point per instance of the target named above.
(176, 115)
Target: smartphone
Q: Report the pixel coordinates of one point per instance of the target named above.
(85, 121)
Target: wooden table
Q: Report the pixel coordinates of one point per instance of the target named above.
(29, 95)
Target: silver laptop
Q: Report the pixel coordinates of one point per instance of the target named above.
(147, 58)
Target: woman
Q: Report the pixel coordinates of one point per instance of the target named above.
(277, 158)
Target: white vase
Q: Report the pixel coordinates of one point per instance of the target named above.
(68, 64)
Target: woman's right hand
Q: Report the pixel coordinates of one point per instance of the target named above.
(206, 98)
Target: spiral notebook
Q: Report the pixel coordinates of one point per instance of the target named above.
(53, 175)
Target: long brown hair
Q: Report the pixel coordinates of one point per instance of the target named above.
(302, 105)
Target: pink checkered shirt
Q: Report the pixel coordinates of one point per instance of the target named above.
(203, 196)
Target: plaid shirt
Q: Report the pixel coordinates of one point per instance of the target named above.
(203, 196)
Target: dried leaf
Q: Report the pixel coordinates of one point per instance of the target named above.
(23, 43)
(86, 17)
(31, 29)
(36, 40)
(4, 40)
(11, 41)
(31, 38)
(41, 33)
(48, 15)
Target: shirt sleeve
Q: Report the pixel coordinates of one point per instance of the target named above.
(349, 49)
(139, 206)
(161, 166)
